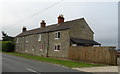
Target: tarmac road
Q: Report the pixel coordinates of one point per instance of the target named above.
(17, 65)
(11, 63)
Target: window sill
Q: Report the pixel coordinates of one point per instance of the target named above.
(57, 38)
(56, 50)
(41, 49)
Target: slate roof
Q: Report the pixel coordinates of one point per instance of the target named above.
(84, 41)
(51, 28)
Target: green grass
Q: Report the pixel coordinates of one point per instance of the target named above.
(66, 63)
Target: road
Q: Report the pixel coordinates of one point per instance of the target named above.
(17, 65)
(11, 63)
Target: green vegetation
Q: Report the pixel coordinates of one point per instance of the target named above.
(5, 37)
(7, 43)
(0, 45)
(8, 46)
(56, 61)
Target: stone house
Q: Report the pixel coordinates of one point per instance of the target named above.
(55, 40)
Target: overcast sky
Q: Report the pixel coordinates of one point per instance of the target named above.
(101, 16)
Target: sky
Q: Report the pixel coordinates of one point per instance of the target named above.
(102, 16)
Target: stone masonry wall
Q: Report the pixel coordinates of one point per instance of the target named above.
(81, 30)
(30, 44)
(64, 43)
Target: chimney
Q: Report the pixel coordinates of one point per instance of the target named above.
(24, 29)
(60, 19)
(43, 24)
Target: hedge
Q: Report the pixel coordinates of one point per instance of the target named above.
(0, 45)
(8, 46)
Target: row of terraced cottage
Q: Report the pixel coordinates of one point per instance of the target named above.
(54, 40)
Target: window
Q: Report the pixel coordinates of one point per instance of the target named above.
(21, 43)
(41, 47)
(33, 47)
(56, 47)
(17, 40)
(22, 40)
(57, 35)
(26, 39)
(39, 38)
(26, 51)
(33, 35)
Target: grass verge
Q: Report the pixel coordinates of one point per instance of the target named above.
(71, 64)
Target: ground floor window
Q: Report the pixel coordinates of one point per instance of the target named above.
(56, 47)
(41, 47)
(33, 47)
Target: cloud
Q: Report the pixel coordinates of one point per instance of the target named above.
(101, 17)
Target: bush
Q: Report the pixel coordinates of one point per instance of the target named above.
(8, 46)
(0, 45)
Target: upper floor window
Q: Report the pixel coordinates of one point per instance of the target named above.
(39, 38)
(33, 35)
(56, 47)
(57, 35)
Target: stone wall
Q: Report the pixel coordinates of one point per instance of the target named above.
(30, 44)
(64, 43)
(81, 30)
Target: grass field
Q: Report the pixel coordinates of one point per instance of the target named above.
(66, 63)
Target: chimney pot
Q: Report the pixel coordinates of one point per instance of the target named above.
(60, 19)
(24, 29)
(43, 24)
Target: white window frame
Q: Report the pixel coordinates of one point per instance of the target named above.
(39, 38)
(26, 40)
(22, 40)
(56, 47)
(32, 47)
(26, 51)
(33, 35)
(41, 47)
(57, 35)
(17, 40)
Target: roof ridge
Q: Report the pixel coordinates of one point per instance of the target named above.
(73, 20)
(56, 23)
(39, 28)
(51, 28)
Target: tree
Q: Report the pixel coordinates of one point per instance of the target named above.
(6, 37)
